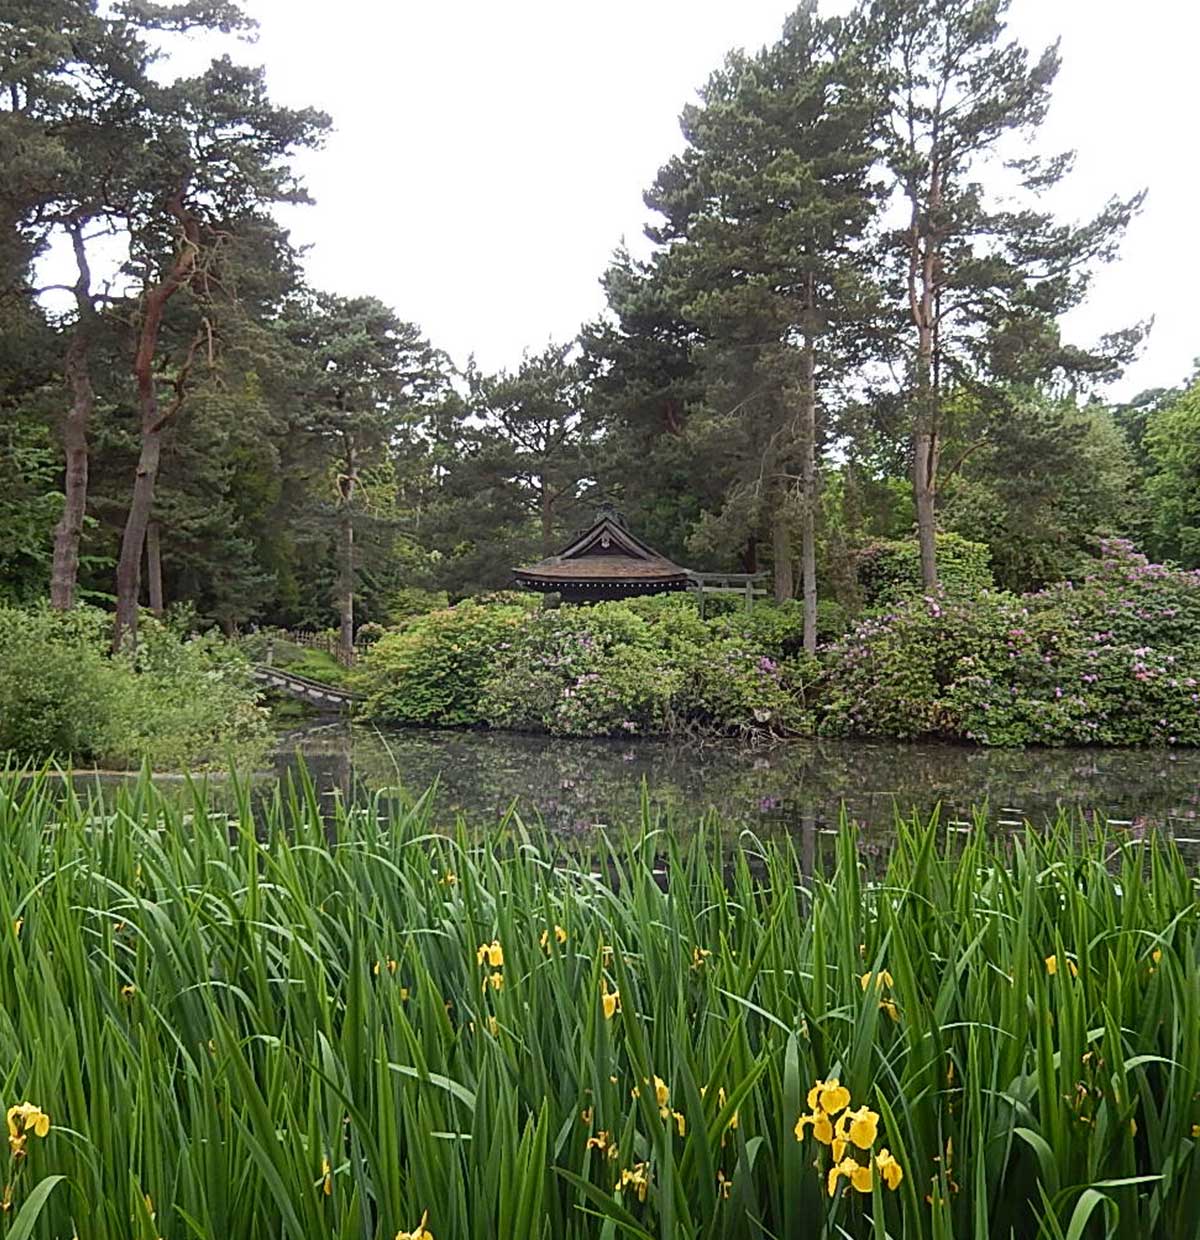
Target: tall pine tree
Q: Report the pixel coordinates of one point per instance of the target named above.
(983, 285)
(765, 217)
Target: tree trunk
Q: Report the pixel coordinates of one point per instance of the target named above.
(346, 488)
(926, 448)
(547, 512)
(926, 451)
(129, 564)
(808, 488)
(64, 568)
(154, 568)
(781, 550)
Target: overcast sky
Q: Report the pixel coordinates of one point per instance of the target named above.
(488, 157)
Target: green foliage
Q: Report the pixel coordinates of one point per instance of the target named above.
(30, 504)
(1112, 660)
(280, 1024)
(318, 665)
(176, 703)
(890, 569)
(408, 602)
(583, 671)
(59, 692)
(1172, 442)
(1039, 486)
(643, 667)
(187, 702)
(433, 670)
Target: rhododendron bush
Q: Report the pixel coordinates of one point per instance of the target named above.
(1114, 659)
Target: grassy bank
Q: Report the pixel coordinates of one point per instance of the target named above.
(283, 1027)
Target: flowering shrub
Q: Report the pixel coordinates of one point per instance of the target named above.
(735, 687)
(638, 668)
(643, 667)
(1114, 659)
(582, 672)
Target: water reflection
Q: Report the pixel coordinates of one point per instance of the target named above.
(573, 785)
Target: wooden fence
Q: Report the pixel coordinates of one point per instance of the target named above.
(749, 585)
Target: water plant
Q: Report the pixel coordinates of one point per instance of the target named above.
(290, 1022)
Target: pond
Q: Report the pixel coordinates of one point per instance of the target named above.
(574, 785)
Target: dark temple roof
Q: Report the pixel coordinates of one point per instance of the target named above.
(605, 556)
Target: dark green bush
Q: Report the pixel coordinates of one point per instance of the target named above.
(432, 671)
(178, 702)
(59, 693)
(890, 569)
(641, 667)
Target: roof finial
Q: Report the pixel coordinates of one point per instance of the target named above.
(606, 510)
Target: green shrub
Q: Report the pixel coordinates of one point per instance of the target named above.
(890, 569)
(736, 687)
(432, 671)
(643, 666)
(187, 701)
(59, 692)
(179, 702)
(411, 601)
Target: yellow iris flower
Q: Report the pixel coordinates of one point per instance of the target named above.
(636, 1177)
(830, 1096)
(822, 1127)
(662, 1095)
(889, 1168)
(882, 978)
(422, 1232)
(860, 1127)
(492, 952)
(28, 1117)
(858, 1174)
(610, 1000)
(1052, 966)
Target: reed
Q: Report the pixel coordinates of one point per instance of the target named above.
(281, 1023)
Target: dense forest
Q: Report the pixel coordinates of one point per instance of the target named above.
(840, 333)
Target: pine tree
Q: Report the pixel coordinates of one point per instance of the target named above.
(984, 285)
(535, 437)
(765, 215)
(360, 374)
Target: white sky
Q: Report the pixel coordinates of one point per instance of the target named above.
(488, 157)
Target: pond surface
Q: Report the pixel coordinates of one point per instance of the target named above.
(574, 785)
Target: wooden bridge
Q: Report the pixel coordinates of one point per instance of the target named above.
(325, 697)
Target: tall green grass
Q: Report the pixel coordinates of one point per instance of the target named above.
(213, 1011)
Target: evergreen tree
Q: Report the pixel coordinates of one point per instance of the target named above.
(765, 213)
(535, 437)
(984, 285)
(1172, 443)
(360, 375)
(217, 156)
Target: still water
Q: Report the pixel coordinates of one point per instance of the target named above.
(573, 785)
